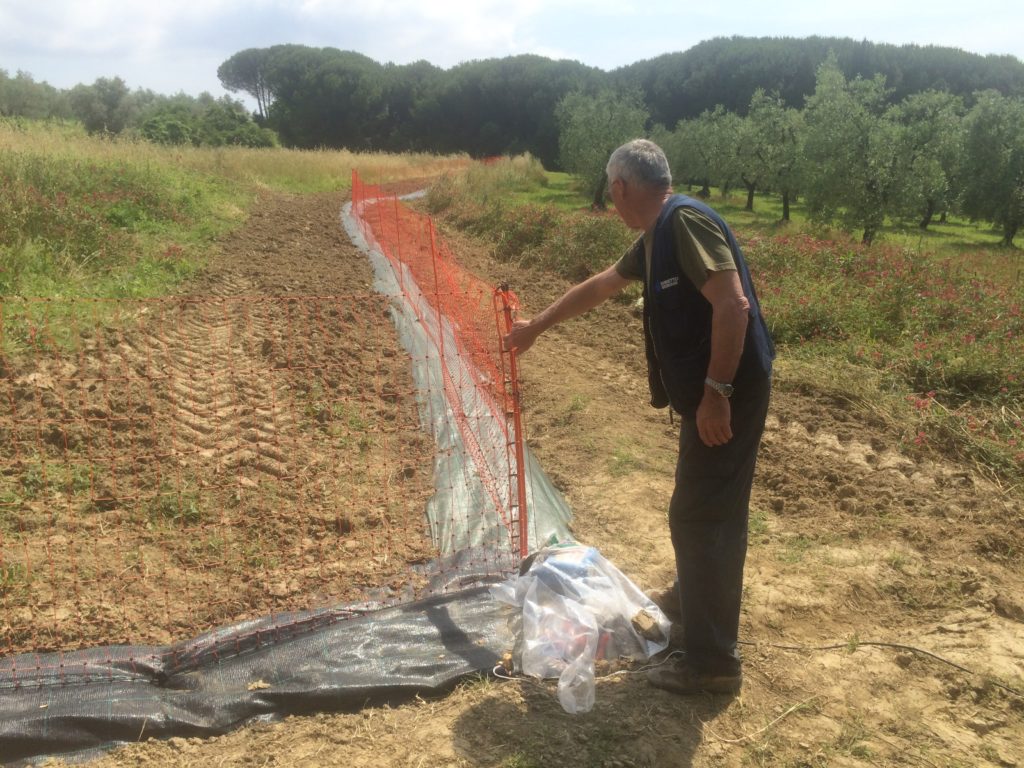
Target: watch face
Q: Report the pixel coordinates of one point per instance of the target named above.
(725, 390)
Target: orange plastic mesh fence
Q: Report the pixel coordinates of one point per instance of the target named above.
(172, 465)
(480, 314)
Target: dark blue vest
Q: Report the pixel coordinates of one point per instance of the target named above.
(677, 321)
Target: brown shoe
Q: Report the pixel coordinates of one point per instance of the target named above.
(679, 677)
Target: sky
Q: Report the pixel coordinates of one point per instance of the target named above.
(170, 47)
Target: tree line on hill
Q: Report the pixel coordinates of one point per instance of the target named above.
(325, 97)
(108, 106)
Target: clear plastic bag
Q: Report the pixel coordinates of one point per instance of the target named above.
(575, 607)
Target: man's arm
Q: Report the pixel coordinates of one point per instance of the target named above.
(577, 300)
(730, 312)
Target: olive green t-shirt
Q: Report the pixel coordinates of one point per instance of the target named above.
(701, 247)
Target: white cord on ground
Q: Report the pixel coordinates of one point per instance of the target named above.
(499, 670)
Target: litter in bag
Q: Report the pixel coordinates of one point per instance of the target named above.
(576, 608)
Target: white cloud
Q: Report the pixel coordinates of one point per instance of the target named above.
(446, 33)
(155, 42)
(442, 32)
(112, 26)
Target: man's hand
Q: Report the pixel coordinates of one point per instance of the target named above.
(714, 419)
(521, 337)
(577, 300)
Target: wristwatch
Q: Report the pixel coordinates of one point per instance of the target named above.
(725, 390)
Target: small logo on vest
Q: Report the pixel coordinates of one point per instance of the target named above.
(670, 283)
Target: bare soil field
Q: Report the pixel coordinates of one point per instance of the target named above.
(883, 619)
(195, 462)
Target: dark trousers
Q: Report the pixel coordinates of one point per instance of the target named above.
(708, 521)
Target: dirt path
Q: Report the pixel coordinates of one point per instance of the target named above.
(854, 546)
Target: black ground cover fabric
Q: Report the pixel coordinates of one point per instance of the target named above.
(326, 660)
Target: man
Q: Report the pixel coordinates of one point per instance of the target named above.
(709, 356)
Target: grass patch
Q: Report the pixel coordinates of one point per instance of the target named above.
(765, 219)
(485, 185)
(935, 350)
(175, 508)
(245, 169)
(623, 462)
(795, 549)
(14, 580)
(974, 248)
(84, 216)
(556, 189)
(757, 526)
(38, 477)
(519, 760)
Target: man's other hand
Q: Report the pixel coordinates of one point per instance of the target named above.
(714, 420)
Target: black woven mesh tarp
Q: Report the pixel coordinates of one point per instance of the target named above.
(331, 659)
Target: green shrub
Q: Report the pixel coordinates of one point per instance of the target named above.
(483, 202)
(523, 229)
(93, 226)
(584, 243)
(934, 326)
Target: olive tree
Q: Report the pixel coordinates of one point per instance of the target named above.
(106, 106)
(931, 153)
(851, 153)
(994, 180)
(704, 149)
(773, 145)
(22, 96)
(591, 127)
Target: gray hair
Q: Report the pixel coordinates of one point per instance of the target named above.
(640, 162)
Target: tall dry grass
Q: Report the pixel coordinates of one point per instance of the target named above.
(283, 169)
(96, 216)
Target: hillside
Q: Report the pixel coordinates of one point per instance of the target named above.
(727, 71)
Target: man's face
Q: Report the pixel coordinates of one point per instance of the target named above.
(619, 192)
